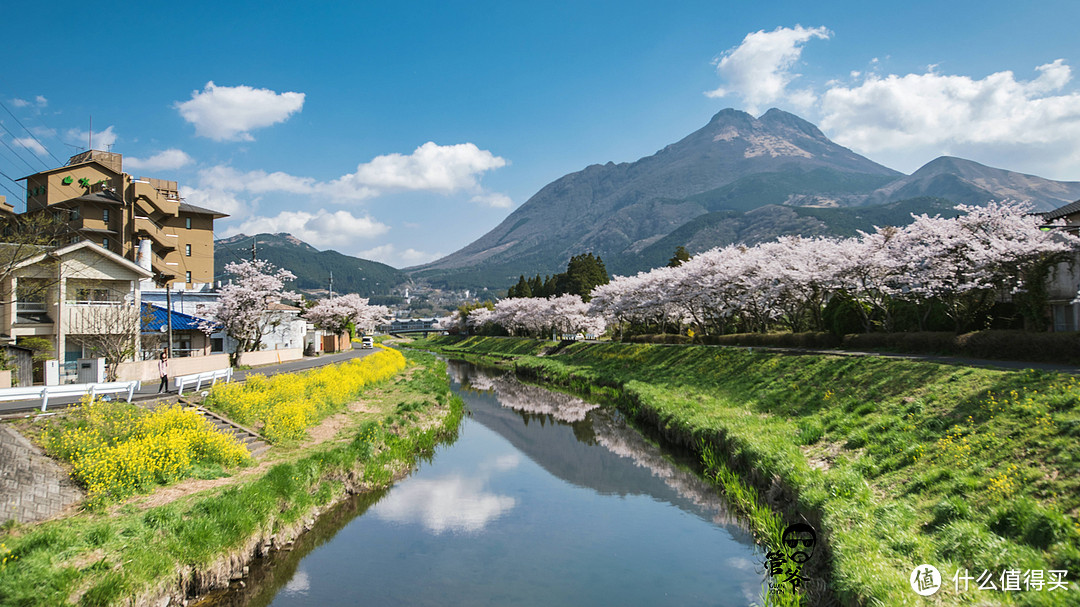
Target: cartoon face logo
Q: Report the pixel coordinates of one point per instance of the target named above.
(799, 540)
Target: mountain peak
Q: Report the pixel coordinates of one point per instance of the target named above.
(731, 116)
(779, 118)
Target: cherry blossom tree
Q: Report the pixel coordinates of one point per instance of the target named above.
(540, 317)
(961, 264)
(967, 261)
(243, 309)
(336, 313)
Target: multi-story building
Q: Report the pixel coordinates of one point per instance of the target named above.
(109, 207)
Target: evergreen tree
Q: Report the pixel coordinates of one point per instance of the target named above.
(583, 273)
(680, 256)
(550, 287)
(521, 289)
(536, 286)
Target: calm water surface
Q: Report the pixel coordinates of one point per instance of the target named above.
(543, 500)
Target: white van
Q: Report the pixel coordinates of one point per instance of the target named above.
(366, 342)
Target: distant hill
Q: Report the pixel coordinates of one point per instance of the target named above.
(312, 266)
(737, 179)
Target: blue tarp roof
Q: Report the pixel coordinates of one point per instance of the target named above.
(154, 317)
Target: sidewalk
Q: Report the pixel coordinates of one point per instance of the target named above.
(147, 392)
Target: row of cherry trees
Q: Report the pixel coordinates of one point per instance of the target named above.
(560, 315)
(245, 309)
(958, 266)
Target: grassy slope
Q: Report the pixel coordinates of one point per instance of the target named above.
(107, 558)
(899, 462)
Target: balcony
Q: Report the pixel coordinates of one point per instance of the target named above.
(32, 312)
(99, 316)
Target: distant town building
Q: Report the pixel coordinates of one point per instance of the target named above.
(409, 324)
(129, 216)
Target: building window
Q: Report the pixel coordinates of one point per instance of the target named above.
(187, 222)
(189, 276)
(217, 344)
(105, 215)
(187, 250)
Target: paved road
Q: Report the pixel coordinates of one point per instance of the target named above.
(147, 393)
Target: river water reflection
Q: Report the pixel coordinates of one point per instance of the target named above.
(542, 500)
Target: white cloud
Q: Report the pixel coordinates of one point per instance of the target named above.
(431, 167)
(228, 179)
(166, 160)
(493, 199)
(38, 101)
(218, 200)
(102, 139)
(227, 113)
(390, 255)
(910, 119)
(321, 229)
(759, 69)
(31, 144)
(445, 504)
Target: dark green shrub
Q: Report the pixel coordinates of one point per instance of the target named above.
(952, 508)
(1026, 520)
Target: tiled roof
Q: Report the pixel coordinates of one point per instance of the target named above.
(154, 317)
(1069, 209)
(190, 208)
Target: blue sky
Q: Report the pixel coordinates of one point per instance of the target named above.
(402, 131)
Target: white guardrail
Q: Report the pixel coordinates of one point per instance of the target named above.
(198, 379)
(47, 392)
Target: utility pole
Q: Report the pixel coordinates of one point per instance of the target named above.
(331, 284)
(168, 304)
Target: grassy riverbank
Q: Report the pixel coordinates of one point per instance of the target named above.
(897, 462)
(142, 550)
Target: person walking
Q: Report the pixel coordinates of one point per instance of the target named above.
(163, 371)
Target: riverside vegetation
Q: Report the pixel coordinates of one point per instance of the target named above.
(142, 551)
(896, 462)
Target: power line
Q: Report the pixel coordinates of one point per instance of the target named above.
(29, 133)
(13, 194)
(17, 196)
(27, 148)
(16, 153)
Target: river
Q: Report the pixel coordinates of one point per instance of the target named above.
(542, 500)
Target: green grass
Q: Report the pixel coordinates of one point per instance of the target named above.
(898, 462)
(105, 559)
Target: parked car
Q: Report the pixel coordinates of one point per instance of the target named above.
(367, 342)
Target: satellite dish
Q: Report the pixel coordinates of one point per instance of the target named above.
(163, 329)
